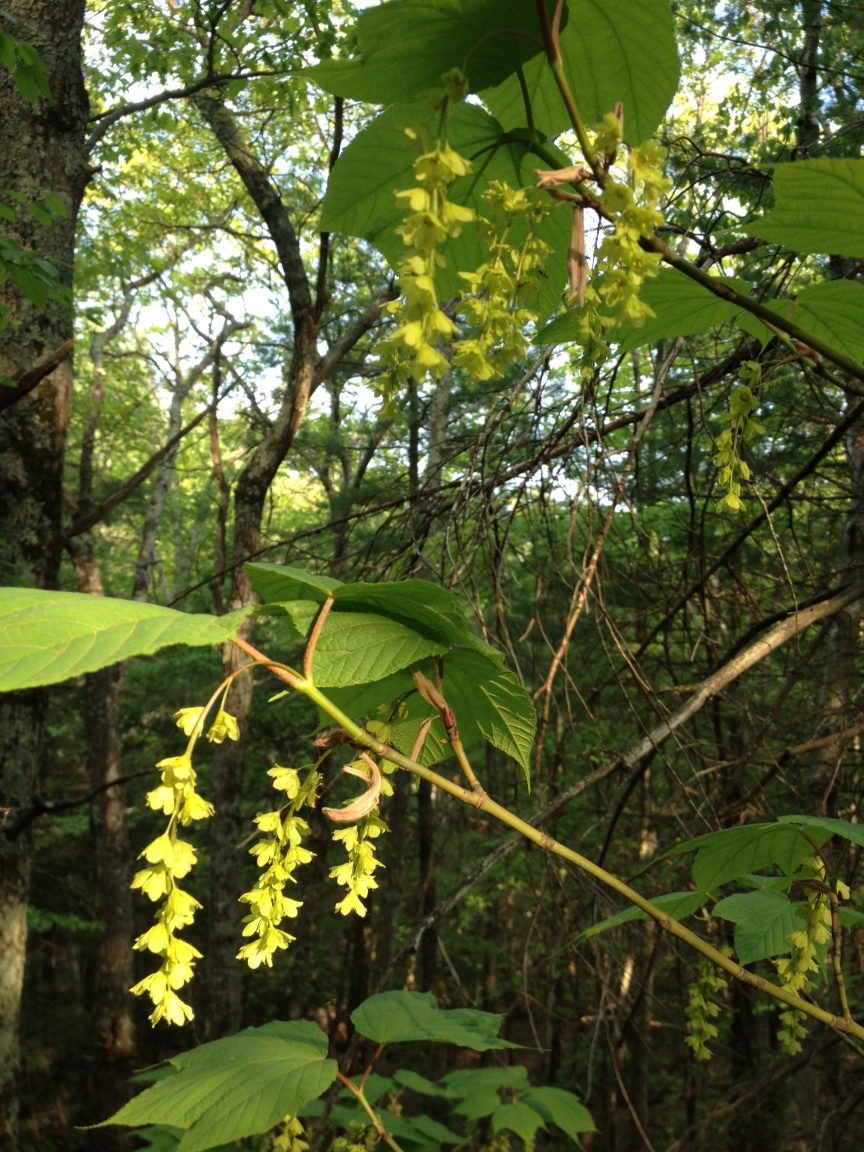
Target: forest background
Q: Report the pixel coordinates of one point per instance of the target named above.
(224, 402)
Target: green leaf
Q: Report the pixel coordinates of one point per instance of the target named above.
(420, 1130)
(493, 702)
(279, 582)
(356, 648)
(732, 852)
(489, 704)
(237, 1087)
(763, 921)
(407, 45)
(819, 828)
(8, 54)
(47, 637)
(55, 205)
(676, 904)
(417, 1083)
(605, 60)
(393, 1017)
(561, 1108)
(435, 613)
(850, 918)
(470, 1081)
(518, 1117)
(819, 207)
(360, 198)
(834, 312)
(682, 308)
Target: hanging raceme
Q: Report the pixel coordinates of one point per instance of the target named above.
(807, 952)
(170, 859)
(279, 855)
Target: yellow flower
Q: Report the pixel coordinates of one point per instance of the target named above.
(189, 719)
(224, 725)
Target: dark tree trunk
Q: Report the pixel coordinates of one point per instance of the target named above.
(41, 151)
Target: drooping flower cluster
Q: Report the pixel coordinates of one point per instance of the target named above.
(170, 859)
(732, 470)
(702, 1008)
(497, 293)
(410, 349)
(621, 265)
(356, 874)
(279, 853)
(807, 949)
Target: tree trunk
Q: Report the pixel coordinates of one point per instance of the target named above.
(42, 152)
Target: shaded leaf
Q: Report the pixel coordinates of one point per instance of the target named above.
(494, 702)
(236, 1087)
(417, 1083)
(360, 198)
(819, 828)
(393, 1017)
(427, 608)
(518, 1117)
(563, 1109)
(723, 856)
(763, 921)
(678, 905)
(406, 46)
(603, 49)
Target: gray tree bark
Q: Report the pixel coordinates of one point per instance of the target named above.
(41, 151)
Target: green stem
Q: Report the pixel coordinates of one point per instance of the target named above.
(374, 1120)
(772, 320)
(483, 803)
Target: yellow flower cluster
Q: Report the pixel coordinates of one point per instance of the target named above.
(496, 293)
(279, 854)
(702, 1008)
(410, 349)
(169, 859)
(808, 944)
(356, 874)
(732, 470)
(621, 265)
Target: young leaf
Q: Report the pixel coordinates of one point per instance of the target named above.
(763, 921)
(679, 905)
(819, 207)
(47, 637)
(605, 61)
(519, 1117)
(236, 1087)
(393, 1017)
(562, 1109)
